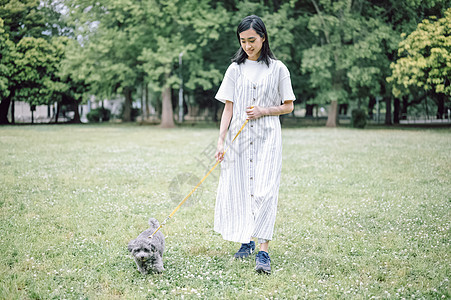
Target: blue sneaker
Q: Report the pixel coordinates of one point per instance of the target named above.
(263, 263)
(245, 250)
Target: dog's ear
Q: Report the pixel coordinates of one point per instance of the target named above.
(131, 245)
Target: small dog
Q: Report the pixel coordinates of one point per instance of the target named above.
(148, 252)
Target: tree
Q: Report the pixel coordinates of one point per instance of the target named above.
(425, 61)
(36, 63)
(127, 44)
(350, 55)
(30, 55)
(110, 41)
(403, 17)
(188, 27)
(22, 18)
(6, 47)
(289, 35)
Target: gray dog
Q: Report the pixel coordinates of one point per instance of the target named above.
(148, 252)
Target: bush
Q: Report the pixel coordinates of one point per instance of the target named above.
(99, 115)
(358, 118)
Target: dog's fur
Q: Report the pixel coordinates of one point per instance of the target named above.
(148, 252)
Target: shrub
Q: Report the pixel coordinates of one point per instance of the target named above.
(358, 118)
(99, 115)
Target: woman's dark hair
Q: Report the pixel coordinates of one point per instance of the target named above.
(257, 24)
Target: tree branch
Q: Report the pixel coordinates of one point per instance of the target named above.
(326, 33)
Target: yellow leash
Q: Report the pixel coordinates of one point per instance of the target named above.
(200, 182)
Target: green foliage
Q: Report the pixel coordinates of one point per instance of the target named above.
(425, 58)
(339, 50)
(30, 54)
(36, 63)
(349, 59)
(358, 118)
(110, 39)
(188, 27)
(99, 115)
(23, 18)
(125, 44)
(6, 47)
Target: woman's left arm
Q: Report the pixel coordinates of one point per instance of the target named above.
(256, 112)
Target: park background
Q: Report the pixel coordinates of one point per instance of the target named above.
(156, 61)
(362, 214)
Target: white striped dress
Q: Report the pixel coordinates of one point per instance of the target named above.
(248, 189)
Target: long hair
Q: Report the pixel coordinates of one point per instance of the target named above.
(257, 24)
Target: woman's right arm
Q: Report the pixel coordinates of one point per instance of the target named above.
(225, 122)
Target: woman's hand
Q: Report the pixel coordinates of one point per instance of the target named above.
(219, 155)
(255, 112)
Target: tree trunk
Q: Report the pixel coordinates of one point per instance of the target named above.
(309, 110)
(147, 115)
(371, 105)
(405, 104)
(388, 111)
(343, 109)
(396, 112)
(127, 112)
(441, 106)
(143, 113)
(4, 108)
(32, 109)
(147, 102)
(167, 114)
(332, 118)
(57, 112)
(76, 113)
(13, 112)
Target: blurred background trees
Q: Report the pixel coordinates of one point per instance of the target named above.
(340, 53)
(424, 64)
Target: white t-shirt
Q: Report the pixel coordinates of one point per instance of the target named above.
(255, 71)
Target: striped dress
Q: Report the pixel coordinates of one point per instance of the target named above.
(248, 189)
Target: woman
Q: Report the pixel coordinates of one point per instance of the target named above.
(256, 87)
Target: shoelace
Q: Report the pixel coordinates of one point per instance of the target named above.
(263, 258)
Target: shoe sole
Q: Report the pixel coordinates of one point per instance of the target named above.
(262, 271)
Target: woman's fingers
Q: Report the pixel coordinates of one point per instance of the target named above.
(250, 112)
(253, 112)
(219, 156)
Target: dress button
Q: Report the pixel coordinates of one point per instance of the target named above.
(251, 159)
(255, 87)
(251, 143)
(252, 178)
(252, 125)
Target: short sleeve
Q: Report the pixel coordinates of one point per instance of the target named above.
(285, 88)
(227, 89)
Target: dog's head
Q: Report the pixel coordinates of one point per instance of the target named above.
(142, 250)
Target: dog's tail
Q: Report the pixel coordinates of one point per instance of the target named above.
(153, 223)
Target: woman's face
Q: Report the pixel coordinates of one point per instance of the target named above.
(252, 43)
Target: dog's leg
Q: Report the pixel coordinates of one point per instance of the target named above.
(141, 267)
(158, 265)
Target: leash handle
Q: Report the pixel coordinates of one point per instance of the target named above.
(200, 182)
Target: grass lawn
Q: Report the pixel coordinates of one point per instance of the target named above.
(362, 214)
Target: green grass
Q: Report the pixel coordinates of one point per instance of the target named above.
(362, 214)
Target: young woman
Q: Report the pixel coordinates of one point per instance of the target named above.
(256, 87)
